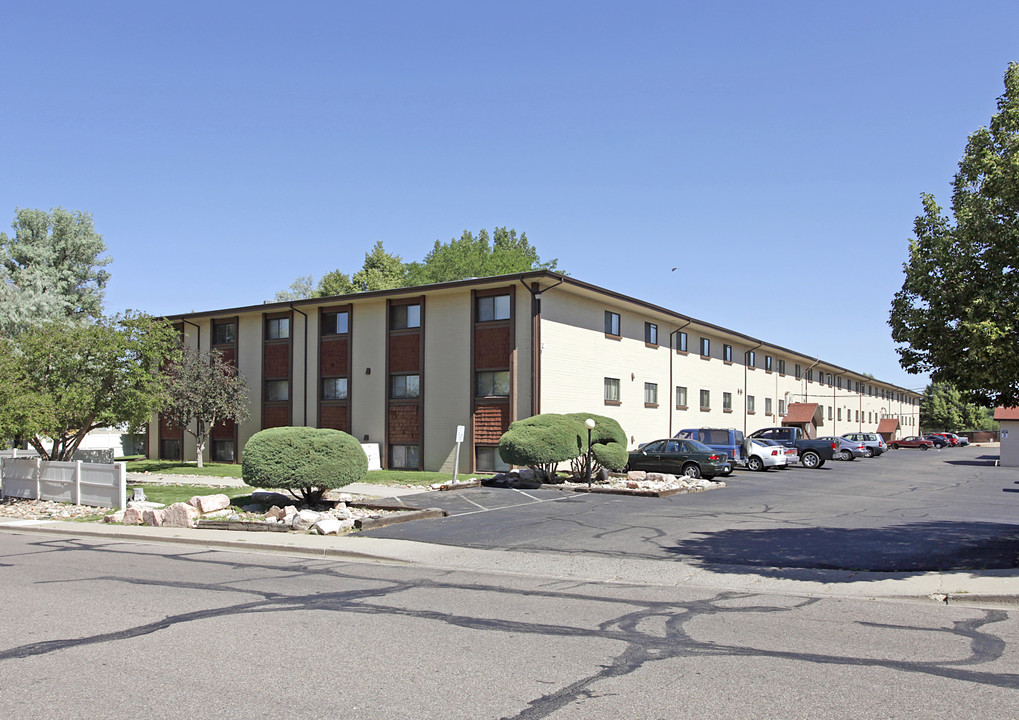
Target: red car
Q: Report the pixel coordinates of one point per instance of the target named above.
(913, 441)
(950, 439)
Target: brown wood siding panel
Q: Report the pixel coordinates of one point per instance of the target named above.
(492, 347)
(333, 361)
(335, 417)
(490, 422)
(404, 424)
(223, 430)
(277, 361)
(405, 353)
(275, 416)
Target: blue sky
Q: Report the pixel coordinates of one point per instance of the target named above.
(774, 151)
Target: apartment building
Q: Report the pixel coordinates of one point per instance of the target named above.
(403, 368)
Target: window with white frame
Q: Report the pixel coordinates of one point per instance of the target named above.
(727, 401)
(751, 404)
(705, 399)
(681, 397)
(651, 394)
(767, 406)
(612, 390)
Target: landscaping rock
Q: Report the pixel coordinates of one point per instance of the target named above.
(342, 513)
(269, 498)
(153, 518)
(117, 517)
(132, 516)
(328, 525)
(306, 519)
(180, 515)
(209, 503)
(636, 475)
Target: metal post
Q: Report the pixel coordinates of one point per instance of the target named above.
(590, 426)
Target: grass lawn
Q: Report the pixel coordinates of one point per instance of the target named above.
(169, 494)
(379, 477)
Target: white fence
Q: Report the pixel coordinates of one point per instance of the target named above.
(71, 482)
(18, 453)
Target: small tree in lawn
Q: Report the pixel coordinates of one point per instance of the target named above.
(608, 445)
(305, 461)
(203, 390)
(543, 441)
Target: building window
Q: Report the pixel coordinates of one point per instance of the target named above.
(751, 358)
(487, 459)
(404, 456)
(810, 375)
(829, 412)
(829, 379)
(727, 402)
(838, 381)
(781, 366)
(277, 328)
(335, 323)
(681, 341)
(493, 307)
(334, 388)
(169, 450)
(651, 394)
(705, 399)
(224, 333)
(402, 317)
(650, 333)
(727, 353)
(405, 386)
(857, 415)
(277, 390)
(680, 397)
(705, 347)
(751, 404)
(838, 414)
(612, 323)
(223, 451)
(797, 371)
(767, 363)
(781, 407)
(612, 390)
(767, 406)
(493, 383)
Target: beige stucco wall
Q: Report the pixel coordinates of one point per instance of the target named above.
(1009, 451)
(368, 391)
(447, 369)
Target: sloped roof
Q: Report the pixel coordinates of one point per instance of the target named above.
(799, 413)
(1005, 413)
(888, 425)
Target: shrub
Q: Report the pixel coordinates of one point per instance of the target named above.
(608, 444)
(543, 441)
(303, 460)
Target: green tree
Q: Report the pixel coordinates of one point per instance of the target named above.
(381, 271)
(301, 288)
(50, 269)
(469, 256)
(941, 407)
(956, 312)
(334, 283)
(83, 376)
(203, 389)
(22, 411)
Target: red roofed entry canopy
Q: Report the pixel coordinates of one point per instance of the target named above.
(888, 428)
(806, 416)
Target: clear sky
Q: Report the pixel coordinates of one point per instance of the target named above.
(774, 152)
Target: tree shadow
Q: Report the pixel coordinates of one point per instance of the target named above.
(978, 461)
(915, 547)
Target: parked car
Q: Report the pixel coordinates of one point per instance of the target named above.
(762, 454)
(950, 439)
(913, 441)
(960, 440)
(846, 449)
(937, 440)
(680, 457)
(874, 443)
(811, 453)
(725, 440)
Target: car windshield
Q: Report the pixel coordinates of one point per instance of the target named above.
(698, 446)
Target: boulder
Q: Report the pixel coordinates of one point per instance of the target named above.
(153, 518)
(328, 525)
(117, 517)
(269, 498)
(132, 516)
(636, 475)
(180, 515)
(342, 513)
(209, 503)
(306, 519)
(274, 513)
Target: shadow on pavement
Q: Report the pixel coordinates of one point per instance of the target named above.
(980, 460)
(916, 547)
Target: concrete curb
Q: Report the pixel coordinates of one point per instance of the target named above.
(998, 588)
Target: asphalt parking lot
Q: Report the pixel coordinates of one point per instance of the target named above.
(907, 510)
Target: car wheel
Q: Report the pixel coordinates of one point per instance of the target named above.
(810, 460)
(869, 452)
(894, 446)
(821, 464)
(755, 463)
(691, 471)
(923, 447)
(845, 455)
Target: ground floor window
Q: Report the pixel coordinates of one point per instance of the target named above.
(404, 456)
(488, 459)
(223, 451)
(170, 450)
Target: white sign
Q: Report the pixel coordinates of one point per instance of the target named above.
(372, 451)
(460, 433)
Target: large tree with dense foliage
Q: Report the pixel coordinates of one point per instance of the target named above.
(79, 376)
(943, 407)
(957, 313)
(469, 256)
(202, 390)
(50, 269)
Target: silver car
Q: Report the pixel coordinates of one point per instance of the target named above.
(874, 442)
(846, 449)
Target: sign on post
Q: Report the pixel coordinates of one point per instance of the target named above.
(460, 429)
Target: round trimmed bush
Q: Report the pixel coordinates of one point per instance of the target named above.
(303, 460)
(610, 455)
(543, 441)
(608, 441)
